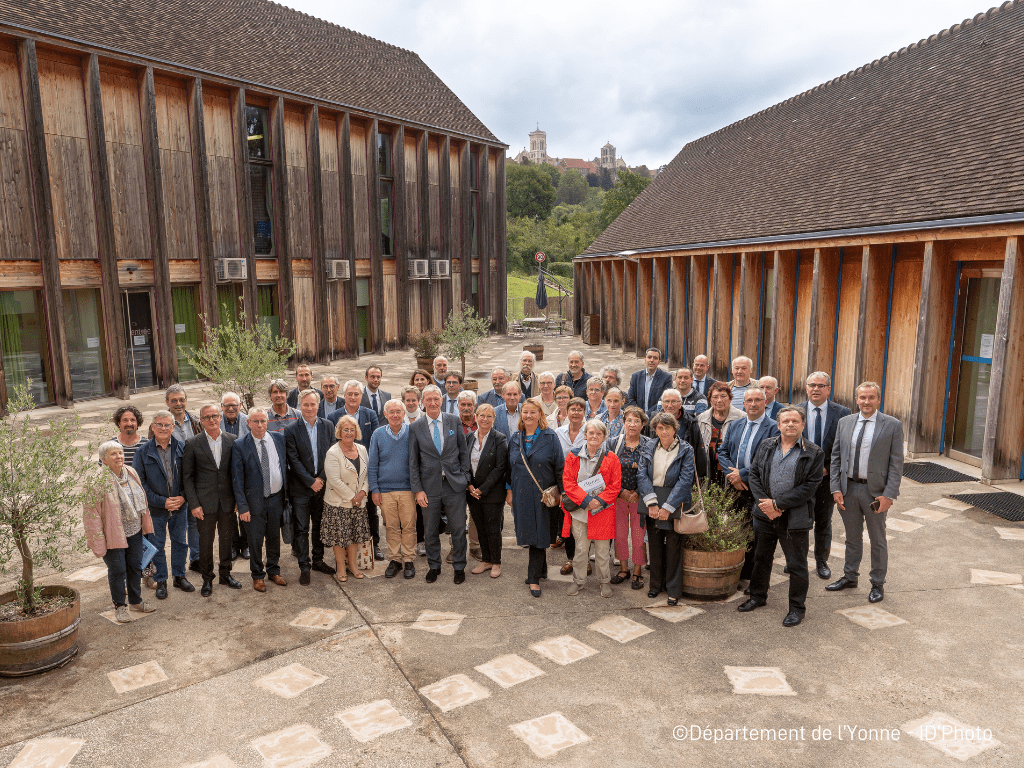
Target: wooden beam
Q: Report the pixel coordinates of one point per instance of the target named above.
(483, 222)
(577, 292)
(376, 242)
(444, 184)
(781, 351)
(166, 347)
(501, 249)
(321, 304)
(423, 201)
(400, 242)
(243, 183)
(993, 465)
(823, 310)
(110, 292)
(281, 225)
(923, 431)
(464, 226)
(750, 306)
(871, 325)
(721, 309)
(348, 232)
(201, 187)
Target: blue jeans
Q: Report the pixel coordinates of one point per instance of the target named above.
(174, 523)
(124, 567)
(193, 537)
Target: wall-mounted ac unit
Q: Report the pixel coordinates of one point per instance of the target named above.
(419, 269)
(440, 268)
(338, 269)
(230, 270)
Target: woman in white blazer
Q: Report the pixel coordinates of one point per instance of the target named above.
(344, 526)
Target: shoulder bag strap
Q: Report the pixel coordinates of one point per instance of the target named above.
(526, 461)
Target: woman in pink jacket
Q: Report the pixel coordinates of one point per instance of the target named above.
(114, 527)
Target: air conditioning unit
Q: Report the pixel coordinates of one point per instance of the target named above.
(419, 269)
(338, 269)
(230, 270)
(440, 268)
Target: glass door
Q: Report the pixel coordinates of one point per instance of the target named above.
(87, 344)
(138, 328)
(973, 364)
(185, 301)
(23, 343)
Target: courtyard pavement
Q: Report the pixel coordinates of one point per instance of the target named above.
(402, 673)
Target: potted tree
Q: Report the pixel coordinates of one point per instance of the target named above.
(712, 560)
(463, 334)
(425, 346)
(44, 482)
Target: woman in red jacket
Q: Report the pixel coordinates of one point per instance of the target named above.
(592, 480)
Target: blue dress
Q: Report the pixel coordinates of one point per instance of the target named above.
(532, 518)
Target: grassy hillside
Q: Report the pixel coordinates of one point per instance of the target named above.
(520, 287)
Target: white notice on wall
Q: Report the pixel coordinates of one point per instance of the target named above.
(987, 339)
(139, 341)
(179, 327)
(92, 342)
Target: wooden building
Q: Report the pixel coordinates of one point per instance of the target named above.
(869, 228)
(162, 160)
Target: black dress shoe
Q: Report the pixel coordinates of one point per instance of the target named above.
(323, 567)
(876, 594)
(234, 554)
(652, 593)
(244, 554)
(432, 575)
(230, 581)
(180, 582)
(746, 591)
(751, 604)
(824, 572)
(792, 619)
(392, 570)
(194, 566)
(410, 571)
(785, 569)
(207, 589)
(304, 578)
(161, 590)
(377, 554)
(460, 576)
(844, 583)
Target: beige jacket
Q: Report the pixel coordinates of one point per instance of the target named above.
(342, 481)
(704, 422)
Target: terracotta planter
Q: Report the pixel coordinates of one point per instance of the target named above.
(537, 349)
(711, 575)
(471, 384)
(41, 643)
(426, 363)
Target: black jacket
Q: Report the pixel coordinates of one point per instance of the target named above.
(492, 471)
(689, 432)
(300, 457)
(207, 485)
(798, 503)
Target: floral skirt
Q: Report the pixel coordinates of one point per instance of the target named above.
(342, 526)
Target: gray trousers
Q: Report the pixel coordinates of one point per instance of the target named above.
(602, 559)
(453, 506)
(858, 512)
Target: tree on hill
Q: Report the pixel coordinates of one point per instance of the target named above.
(625, 191)
(572, 189)
(605, 178)
(529, 190)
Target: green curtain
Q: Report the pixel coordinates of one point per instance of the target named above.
(266, 308)
(186, 315)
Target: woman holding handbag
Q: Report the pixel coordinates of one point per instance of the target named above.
(345, 526)
(665, 482)
(592, 478)
(629, 522)
(536, 464)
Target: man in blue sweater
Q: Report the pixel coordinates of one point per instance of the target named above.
(391, 489)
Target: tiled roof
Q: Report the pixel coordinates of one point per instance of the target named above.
(932, 131)
(581, 165)
(259, 42)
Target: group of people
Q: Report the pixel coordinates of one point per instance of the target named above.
(587, 465)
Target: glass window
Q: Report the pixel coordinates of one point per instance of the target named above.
(474, 224)
(256, 122)
(229, 302)
(87, 344)
(262, 208)
(474, 161)
(384, 164)
(387, 195)
(268, 307)
(185, 301)
(23, 341)
(363, 314)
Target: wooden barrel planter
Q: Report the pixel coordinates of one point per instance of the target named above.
(537, 349)
(44, 642)
(426, 363)
(711, 575)
(471, 384)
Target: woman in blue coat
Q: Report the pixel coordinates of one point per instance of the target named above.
(534, 444)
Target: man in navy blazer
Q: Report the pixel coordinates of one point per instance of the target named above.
(439, 471)
(260, 493)
(374, 397)
(736, 453)
(645, 387)
(306, 443)
(701, 381)
(506, 414)
(823, 417)
(499, 376)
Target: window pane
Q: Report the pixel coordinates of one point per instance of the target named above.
(267, 307)
(256, 123)
(386, 224)
(474, 225)
(228, 305)
(362, 292)
(23, 341)
(384, 154)
(474, 159)
(185, 302)
(87, 346)
(262, 208)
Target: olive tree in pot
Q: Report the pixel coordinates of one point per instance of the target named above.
(712, 560)
(425, 346)
(464, 333)
(44, 482)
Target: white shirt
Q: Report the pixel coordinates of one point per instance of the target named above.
(215, 446)
(330, 408)
(812, 419)
(512, 420)
(563, 437)
(276, 481)
(440, 430)
(478, 448)
(865, 447)
(647, 389)
(662, 460)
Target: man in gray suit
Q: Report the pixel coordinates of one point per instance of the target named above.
(439, 472)
(865, 480)
(374, 397)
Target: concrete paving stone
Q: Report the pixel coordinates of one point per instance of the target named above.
(47, 753)
(138, 676)
(765, 681)
(620, 629)
(950, 736)
(563, 650)
(90, 573)
(438, 622)
(871, 616)
(549, 735)
(953, 504)
(509, 670)
(318, 618)
(777, 578)
(904, 526)
(931, 515)
(217, 761)
(288, 682)
(369, 721)
(1010, 534)
(453, 692)
(994, 577)
(295, 747)
(673, 613)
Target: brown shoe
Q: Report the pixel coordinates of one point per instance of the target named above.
(259, 585)
(279, 580)
(566, 569)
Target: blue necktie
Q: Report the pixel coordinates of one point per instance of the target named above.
(741, 461)
(437, 437)
(817, 427)
(373, 400)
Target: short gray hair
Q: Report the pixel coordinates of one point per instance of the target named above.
(575, 352)
(109, 446)
(175, 389)
(614, 369)
(596, 424)
(230, 394)
(330, 376)
(671, 391)
(775, 382)
(742, 357)
(441, 357)
(529, 354)
(257, 409)
(279, 384)
(161, 414)
(546, 375)
(466, 394)
(394, 401)
(819, 375)
(431, 388)
(596, 381)
(306, 393)
(501, 368)
(352, 383)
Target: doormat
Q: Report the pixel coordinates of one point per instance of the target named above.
(930, 472)
(1008, 506)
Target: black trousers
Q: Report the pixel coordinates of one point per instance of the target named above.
(421, 529)
(266, 527)
(306, 516)
(487, 518)
(241, 537)
(373, 520)
(665, 552)
(745, 501)
(824, 505)
(538, 567)
(219, 523)
(794, 546)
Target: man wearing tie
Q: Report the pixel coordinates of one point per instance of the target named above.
(823, 417)
(453, 386)
(645, 387)
(439, 472)
(701, 381)
(258, 472)
(865, 480)
(374, 397)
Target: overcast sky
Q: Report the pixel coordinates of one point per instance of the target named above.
(646, 76)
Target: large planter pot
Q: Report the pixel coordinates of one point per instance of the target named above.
(426, 363)
(41, 643)
(471, 384)
(711, 575)
(537, 349)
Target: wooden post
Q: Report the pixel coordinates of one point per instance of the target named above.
(201, 186)
(423, 250)
(316, 240)
(243, 183)
(464, 225)
(483, 222)
(400, 242)
(577, 293)
(824, 299)
(348, 233)
(110, 290)
(281, 225)
(444, 183)
(167, 352)
(53, 302)
(750, 308)
(376, 242)
(783, 316)
(991, 464)
(871, 324)
(500, 250)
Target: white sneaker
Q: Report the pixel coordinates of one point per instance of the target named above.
(121, 614)
(421, 549)
(142, 607)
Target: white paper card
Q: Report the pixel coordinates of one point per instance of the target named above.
(593, 485)
(179, 327)
(987, 341)
(92, 342)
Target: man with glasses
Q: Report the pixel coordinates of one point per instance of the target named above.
(281, 415)
(823, 417)
(330, 403)
(186, 426)
(234, 422)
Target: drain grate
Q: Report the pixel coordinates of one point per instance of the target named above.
(930, 472)
(1009, 506)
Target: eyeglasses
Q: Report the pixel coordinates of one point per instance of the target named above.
(818, 386)
(230, 405)
(162, 426)
(210, 417)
